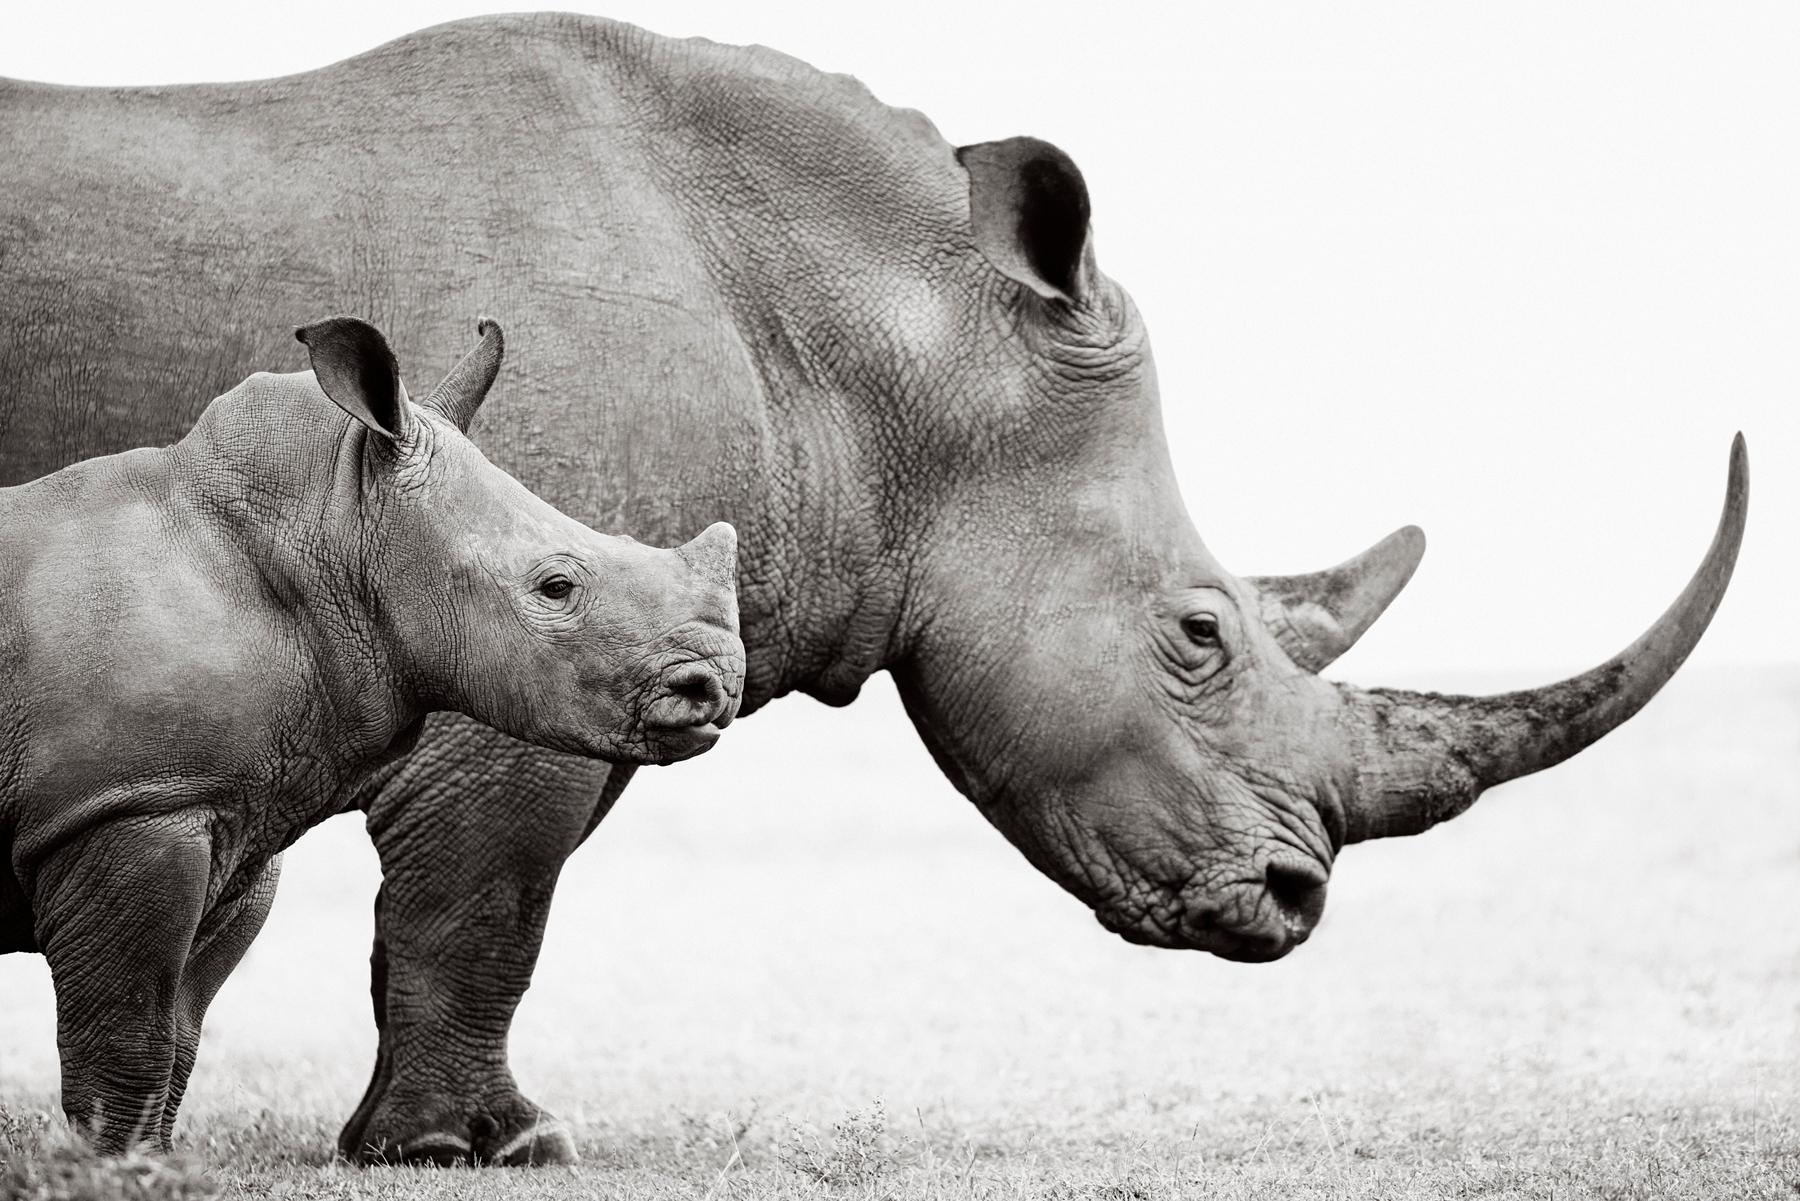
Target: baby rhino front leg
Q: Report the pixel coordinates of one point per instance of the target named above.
(117, 910)
(225, 933)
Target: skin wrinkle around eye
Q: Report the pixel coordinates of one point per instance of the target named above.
(1195, 680)
(539, 615)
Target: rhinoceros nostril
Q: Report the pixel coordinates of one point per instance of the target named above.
(1298, 889)
(691, 696)
(701, 687)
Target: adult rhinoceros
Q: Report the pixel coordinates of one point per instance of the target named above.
(744, 289)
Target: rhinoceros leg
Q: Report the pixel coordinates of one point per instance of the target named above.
(472, 831)
(223, 937)
(117, 912)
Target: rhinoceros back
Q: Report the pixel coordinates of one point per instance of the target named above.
(636, 209)
(698, 252)
(161, 244)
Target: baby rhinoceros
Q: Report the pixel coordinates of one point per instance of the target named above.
(205, 649)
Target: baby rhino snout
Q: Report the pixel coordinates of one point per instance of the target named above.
(692, 704)
(698, 697)
(694, 694)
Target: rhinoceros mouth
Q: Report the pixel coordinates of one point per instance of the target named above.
(1251, 921)
(674, 746)
(1226, 944)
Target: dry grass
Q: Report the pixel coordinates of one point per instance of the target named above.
(801, 967)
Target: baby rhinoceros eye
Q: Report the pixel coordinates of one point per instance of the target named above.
(557, 587)
(1201, 629)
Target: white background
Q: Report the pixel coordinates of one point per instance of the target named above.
(1512, 272)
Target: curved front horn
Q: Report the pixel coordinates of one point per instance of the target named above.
(1317, 617)
(1422, 758)
(462, 391)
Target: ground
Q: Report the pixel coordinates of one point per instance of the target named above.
(802, 966)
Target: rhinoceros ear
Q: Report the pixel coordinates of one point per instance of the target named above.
(357, 370)
(1029, 208)
(463, 390)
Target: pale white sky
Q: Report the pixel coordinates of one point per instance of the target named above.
(1515, 273)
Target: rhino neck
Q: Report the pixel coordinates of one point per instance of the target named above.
(831, 231)
(829, 547)
(292, 510)
(818, 585)
(875, 409)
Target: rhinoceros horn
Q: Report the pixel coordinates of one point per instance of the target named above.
(460, 393)
(1422, 758)
(1319, 616)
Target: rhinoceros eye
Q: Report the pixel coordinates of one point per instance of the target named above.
(557, 587)
(1201, 629)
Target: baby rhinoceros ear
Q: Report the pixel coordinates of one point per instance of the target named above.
(463, 390)
(357, 370)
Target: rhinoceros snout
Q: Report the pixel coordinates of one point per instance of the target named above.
(1256, 921)
(692, 695)
(694, 703)
(1297, 895)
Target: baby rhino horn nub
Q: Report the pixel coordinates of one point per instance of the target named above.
(462, 391)
(1422, 758)
(713, 554)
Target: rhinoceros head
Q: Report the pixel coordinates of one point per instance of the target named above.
(508, 609)
(1146, 726)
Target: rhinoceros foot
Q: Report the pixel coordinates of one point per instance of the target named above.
(505, 1131)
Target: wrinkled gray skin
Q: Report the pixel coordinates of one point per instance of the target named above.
(745, 288)
(210, 647)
